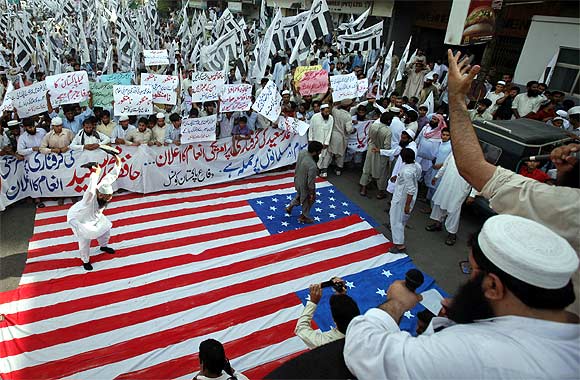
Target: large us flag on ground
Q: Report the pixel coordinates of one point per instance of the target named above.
(220, 262)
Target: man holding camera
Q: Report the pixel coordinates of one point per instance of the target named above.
(342, 307)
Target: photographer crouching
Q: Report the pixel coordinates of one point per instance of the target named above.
(343, 309)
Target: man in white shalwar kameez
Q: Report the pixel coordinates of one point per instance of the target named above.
(406, 141)
(442, 152)
(279, 73)
(448, 199)
(86, 217)
(341, 128)
(428, 142)
(320, 130)
(406, 190)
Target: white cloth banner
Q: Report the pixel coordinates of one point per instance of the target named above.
(358, 141)
(148, 169)
(68, 88)
(363, 87)
(207, 85)
(344, 87)
(156, 57)
(267, 103)
(293, 125)
(164, 87)
(133, 100)
(198, 129)
(236, 97)
(29, 100)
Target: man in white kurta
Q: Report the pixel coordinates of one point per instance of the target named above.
(86, 217)
(320, 130)
(511, 340)
(443, 151)
(279, 73)
(404, 196)
(428, 142)
(448, 199)
(405, 142)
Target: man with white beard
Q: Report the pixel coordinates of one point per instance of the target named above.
(448, 199)
(86, 217)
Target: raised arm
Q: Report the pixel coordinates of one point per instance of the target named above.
(468, 154)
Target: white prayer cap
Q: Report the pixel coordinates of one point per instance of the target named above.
(285, 92)
(106, 189)
(394, 109)
(123, 118)
(13, 123)
(558, 118)
(528, 251)
(501, 82)
(429, 76)
(160, 115)
(410, 132)
(56, 121)
(562, 114)
(323, 106)
(574, 111)
(408, 108)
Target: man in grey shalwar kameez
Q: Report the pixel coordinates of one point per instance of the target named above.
(305, 181)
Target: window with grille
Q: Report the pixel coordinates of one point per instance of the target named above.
(566, 77)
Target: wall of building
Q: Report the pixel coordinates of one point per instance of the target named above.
(545, 35)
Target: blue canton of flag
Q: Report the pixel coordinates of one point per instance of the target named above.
(369, 289)
(330, 205)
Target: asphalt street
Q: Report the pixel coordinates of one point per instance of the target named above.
(427, 249)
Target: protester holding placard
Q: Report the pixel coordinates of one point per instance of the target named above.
(88, 138)
(120, 131)
(71, 121)
(173, 132)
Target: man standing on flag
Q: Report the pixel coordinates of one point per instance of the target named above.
(86, 217)
(305, 181)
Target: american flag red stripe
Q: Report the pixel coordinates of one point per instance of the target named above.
(207, 269)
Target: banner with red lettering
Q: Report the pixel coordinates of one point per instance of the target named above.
(148, 169)
(314, 82)
(164, 87)
(68, 88)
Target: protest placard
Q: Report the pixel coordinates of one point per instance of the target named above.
(300, 70)
(133, 100)
(314, 82)
(102, 93)
(207, 85)
(198, 129)
(124, 79)
(293, 125)
(363, 87)
(236, 97)
(268, 102)
(29, 100)
(344, 87)
(164, 87)
(68, 88)
(156, 57)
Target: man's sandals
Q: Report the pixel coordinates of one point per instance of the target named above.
(304, 219)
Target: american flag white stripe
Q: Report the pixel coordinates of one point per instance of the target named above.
(144, 311)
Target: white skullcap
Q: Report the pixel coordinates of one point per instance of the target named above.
(558, 118)
(574, 110)
(123, 118)
(106, 189)
(56, 121)
(394, 109)
(501, 82)
(429, 76)
(410, 132)
(12, 123)
(528, 251)
(160, 115)
(285, 92)
(562, 114)
(323, 106)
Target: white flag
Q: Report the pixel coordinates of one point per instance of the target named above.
(403, 62)
(546, 76)
(387, 69)
(429, 103)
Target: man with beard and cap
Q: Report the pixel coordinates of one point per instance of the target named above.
(427, 89)
(121, 130)
(428, 142)
(411, 116)
(88, 138)
(443, 151)
(508, 321)
(86, 217)
(321, 130)
(29, 142)
(448, 199)
(404, 196)
(528, 102)
(305, 180)
(341, 127)
(58, 140)
(376, 166)
(406, 141)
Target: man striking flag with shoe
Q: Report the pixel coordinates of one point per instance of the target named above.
(305, 180)
(86, 216)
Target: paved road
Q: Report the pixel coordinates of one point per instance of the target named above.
(427, 249)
